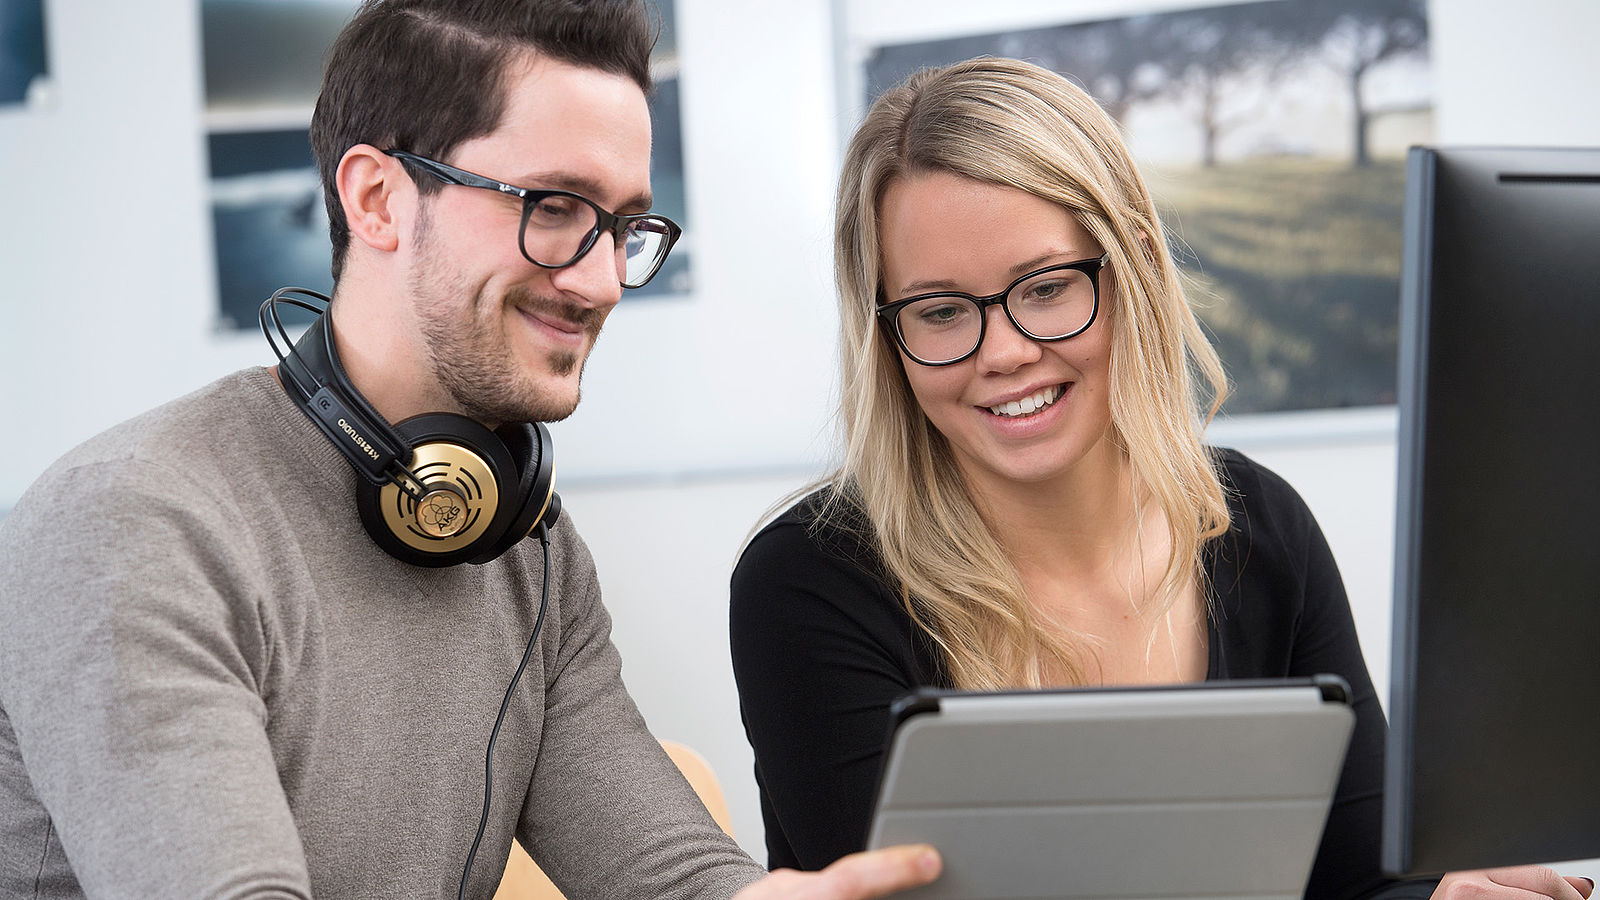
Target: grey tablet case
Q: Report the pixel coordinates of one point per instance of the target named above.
(1213, 790)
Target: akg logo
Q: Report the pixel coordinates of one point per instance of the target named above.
(439, 511)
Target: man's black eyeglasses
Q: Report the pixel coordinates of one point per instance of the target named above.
(1051, 304)
(559, 227)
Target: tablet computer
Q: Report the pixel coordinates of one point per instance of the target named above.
(1208, 790)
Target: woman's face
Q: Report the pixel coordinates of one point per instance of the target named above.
(939, 231)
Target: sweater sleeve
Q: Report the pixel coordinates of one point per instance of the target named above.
(608, 814)
(819, 652)
(131, 665)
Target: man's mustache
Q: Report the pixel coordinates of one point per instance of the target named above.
(589, 317)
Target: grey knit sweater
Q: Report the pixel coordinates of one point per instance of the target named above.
(213, 684)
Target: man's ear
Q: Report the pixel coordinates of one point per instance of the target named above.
(373, 189)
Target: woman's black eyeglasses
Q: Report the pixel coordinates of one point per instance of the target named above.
(1051, 304)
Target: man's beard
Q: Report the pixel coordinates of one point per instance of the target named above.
(471, 356)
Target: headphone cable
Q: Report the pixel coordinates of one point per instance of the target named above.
(488, 756)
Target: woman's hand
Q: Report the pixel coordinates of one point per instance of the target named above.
(1514, 883)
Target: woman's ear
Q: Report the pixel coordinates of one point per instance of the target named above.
(371, 184)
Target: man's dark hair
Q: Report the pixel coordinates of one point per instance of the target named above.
(427, 75)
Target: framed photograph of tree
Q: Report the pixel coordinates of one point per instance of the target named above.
(1273, 135)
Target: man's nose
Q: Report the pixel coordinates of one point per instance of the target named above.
(594, 277)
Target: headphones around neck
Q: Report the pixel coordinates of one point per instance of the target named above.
(437, 489)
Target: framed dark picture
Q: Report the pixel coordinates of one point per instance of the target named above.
(269, 220)
(1273, 135)
(667, 183)
(263, 69)
(24, 59)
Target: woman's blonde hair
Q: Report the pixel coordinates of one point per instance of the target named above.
(1014, 124)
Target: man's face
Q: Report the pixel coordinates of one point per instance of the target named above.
(508, 339)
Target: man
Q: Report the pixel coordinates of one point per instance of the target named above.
(214, 683)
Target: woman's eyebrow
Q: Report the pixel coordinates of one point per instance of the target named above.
(1016, 271)
(1047, 258)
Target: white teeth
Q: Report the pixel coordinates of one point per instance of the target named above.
(1030, 404)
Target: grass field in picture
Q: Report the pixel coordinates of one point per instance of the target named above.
(1294, 264)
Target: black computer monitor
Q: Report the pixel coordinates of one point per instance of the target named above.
(1494, 747)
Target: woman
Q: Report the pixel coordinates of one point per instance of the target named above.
(1025, 499)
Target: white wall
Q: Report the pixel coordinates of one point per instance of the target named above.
(692, 423)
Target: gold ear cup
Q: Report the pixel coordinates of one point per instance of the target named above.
(459, 499)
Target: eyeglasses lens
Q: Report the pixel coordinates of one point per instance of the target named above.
(559, 228)
(643, 246)
(556, 228)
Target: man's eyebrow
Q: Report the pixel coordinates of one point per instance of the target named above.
(578, 184)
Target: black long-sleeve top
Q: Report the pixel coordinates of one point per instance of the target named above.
(822, 645)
